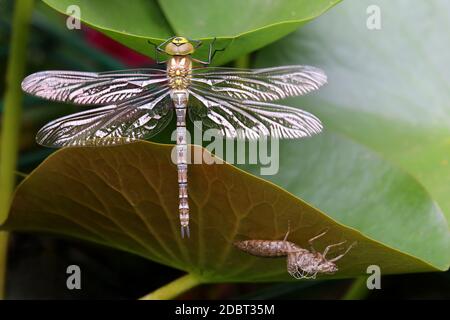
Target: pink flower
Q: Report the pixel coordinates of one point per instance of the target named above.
(115, 49)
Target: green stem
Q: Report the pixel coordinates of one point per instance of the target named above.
(358, 290)
(174, 288)
(3, 262)
(9, 136)
(243, 62)
(9, 140)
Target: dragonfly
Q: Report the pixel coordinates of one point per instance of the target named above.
(136, 104)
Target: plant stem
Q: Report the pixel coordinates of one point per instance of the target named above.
(358, 290)
(3, 262)
(174, 288)
(9, 140)
(243, 62)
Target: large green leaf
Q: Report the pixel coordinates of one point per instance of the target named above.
(240, 26)
(126, 197)
(382, 164)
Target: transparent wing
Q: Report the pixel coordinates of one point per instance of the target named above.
(90, 88)
(259, 84)
(251, 119)
(138, 118)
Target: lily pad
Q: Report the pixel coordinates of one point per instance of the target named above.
(126, 197)
(239, 26)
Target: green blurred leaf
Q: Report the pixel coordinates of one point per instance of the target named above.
(240, 26)
(127, 197)
(382, 165)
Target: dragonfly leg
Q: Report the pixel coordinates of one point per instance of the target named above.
(197, 43)
(324, 254)
(160, 47)
(341, 255)
(288, 230)
(157, 51)
(310, 241)
(211, 53)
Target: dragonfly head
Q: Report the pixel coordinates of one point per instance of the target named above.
(179, 46)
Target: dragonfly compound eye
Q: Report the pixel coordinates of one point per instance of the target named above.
(175, 49)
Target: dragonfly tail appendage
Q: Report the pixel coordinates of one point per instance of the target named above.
(185, 231)
(180, 102)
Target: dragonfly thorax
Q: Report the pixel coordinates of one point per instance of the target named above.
(179, 72)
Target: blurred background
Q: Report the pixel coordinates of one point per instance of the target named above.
(36, 267)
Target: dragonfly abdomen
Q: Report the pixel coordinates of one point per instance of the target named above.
(268, 248)
(180, 99)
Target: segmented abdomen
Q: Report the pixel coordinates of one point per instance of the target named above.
(268, 248)
(180, 99)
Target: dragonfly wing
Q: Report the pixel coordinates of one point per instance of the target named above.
(90, 88)
(138, 118)
(259, 84)
(251, 119)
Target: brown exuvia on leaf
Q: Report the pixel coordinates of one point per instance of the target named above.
(301, 263)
